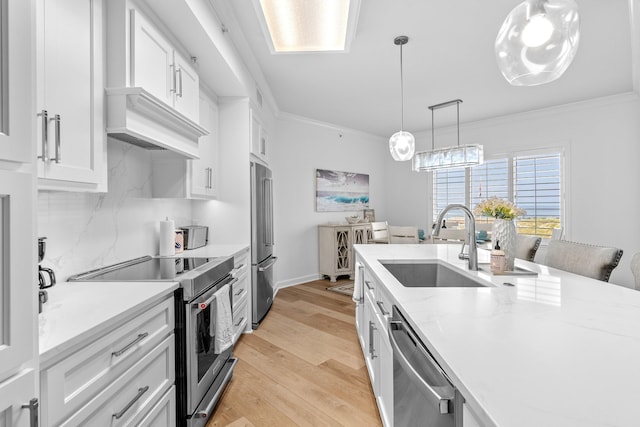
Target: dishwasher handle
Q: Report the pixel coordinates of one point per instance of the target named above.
(445, 404)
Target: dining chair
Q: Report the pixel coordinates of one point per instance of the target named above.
(635, 269)
(379, 232)
(557, 233)
(527, 246)
(596, 262)
(401, 234)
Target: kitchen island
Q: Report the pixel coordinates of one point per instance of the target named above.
(556, 349)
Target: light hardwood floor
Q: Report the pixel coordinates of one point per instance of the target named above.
(302, 367)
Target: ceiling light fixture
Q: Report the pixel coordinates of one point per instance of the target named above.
(308, 25)
(450, 157)
(402, 144)
(537, 41)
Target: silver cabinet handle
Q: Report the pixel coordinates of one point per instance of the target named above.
(44, 115)
(368, 283)
(210, 178)
(239, 322)
(141, 391)
(273, 261)
(206, 173)
(372, 349)
(173, 78)
(179, 72)
(32, 406)
(239, 292)
(139, 338)
(58, 157)
(381, 305)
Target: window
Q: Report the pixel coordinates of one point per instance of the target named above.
(449, 186)
(533, 182)
(538, 191)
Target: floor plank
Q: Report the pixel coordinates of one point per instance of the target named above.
(302, 367)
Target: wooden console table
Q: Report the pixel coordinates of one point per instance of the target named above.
(335, 247)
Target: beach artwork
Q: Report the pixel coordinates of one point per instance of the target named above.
(341, 191)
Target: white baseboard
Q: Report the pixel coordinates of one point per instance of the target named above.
(298, 281)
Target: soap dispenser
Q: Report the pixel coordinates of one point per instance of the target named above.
(498, 260)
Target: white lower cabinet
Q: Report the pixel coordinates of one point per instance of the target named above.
(240, 294)
(375, 312)
(163, 414)
(118, 379)
(15, 392)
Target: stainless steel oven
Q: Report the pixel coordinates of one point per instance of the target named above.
(202, 373)
(203, 363)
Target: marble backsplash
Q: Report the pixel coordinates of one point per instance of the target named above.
(85, 231)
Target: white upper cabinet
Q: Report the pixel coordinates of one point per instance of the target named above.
(153, 87)
(161, 70)
(259, 138)
(192, 179)
(71, 141)
(151, 59)
(15, 85)
(186, 87)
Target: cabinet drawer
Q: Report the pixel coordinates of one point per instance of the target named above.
(163, 414)
(71, 383)
(239, 319)
(130, 397)
(370, 283)
(239, 290)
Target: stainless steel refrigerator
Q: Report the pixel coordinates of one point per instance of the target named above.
(262, 259)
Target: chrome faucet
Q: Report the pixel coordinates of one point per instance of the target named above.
(471, 232)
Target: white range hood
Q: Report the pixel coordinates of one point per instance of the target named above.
(137, 117)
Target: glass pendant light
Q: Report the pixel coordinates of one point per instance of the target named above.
(402, 144)
(449, 157)
(537, 41)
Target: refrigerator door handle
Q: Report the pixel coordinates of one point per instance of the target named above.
(268, 266)
(268, 207)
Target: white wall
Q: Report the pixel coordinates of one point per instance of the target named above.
(602, 140)
(299, 148)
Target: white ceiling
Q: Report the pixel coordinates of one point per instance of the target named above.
(449, 55)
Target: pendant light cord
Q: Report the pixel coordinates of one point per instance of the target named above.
(401, 93)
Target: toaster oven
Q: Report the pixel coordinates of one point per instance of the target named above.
(195, 236)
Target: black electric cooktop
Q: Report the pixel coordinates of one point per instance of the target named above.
(194, 274)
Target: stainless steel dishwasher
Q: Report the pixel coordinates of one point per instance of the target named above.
(422, 393)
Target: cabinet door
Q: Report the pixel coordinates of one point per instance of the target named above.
(16, 121)
(70, 89)
(18, 290)
(204, 170)
(151, 59)
(187, 88)
(14, 393)
(343, 250)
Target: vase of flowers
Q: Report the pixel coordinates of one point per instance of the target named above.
(503, 231)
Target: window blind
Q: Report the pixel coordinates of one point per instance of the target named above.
(537, 189)
(449, 186)
(532, 182)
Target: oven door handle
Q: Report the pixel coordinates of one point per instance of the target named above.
(202, 305)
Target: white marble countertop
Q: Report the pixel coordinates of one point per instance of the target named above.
(553, 350)
(77, 311)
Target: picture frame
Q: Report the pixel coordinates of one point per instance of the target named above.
(369, 215)
(338, 191)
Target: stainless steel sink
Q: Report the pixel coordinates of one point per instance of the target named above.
(430, 274)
